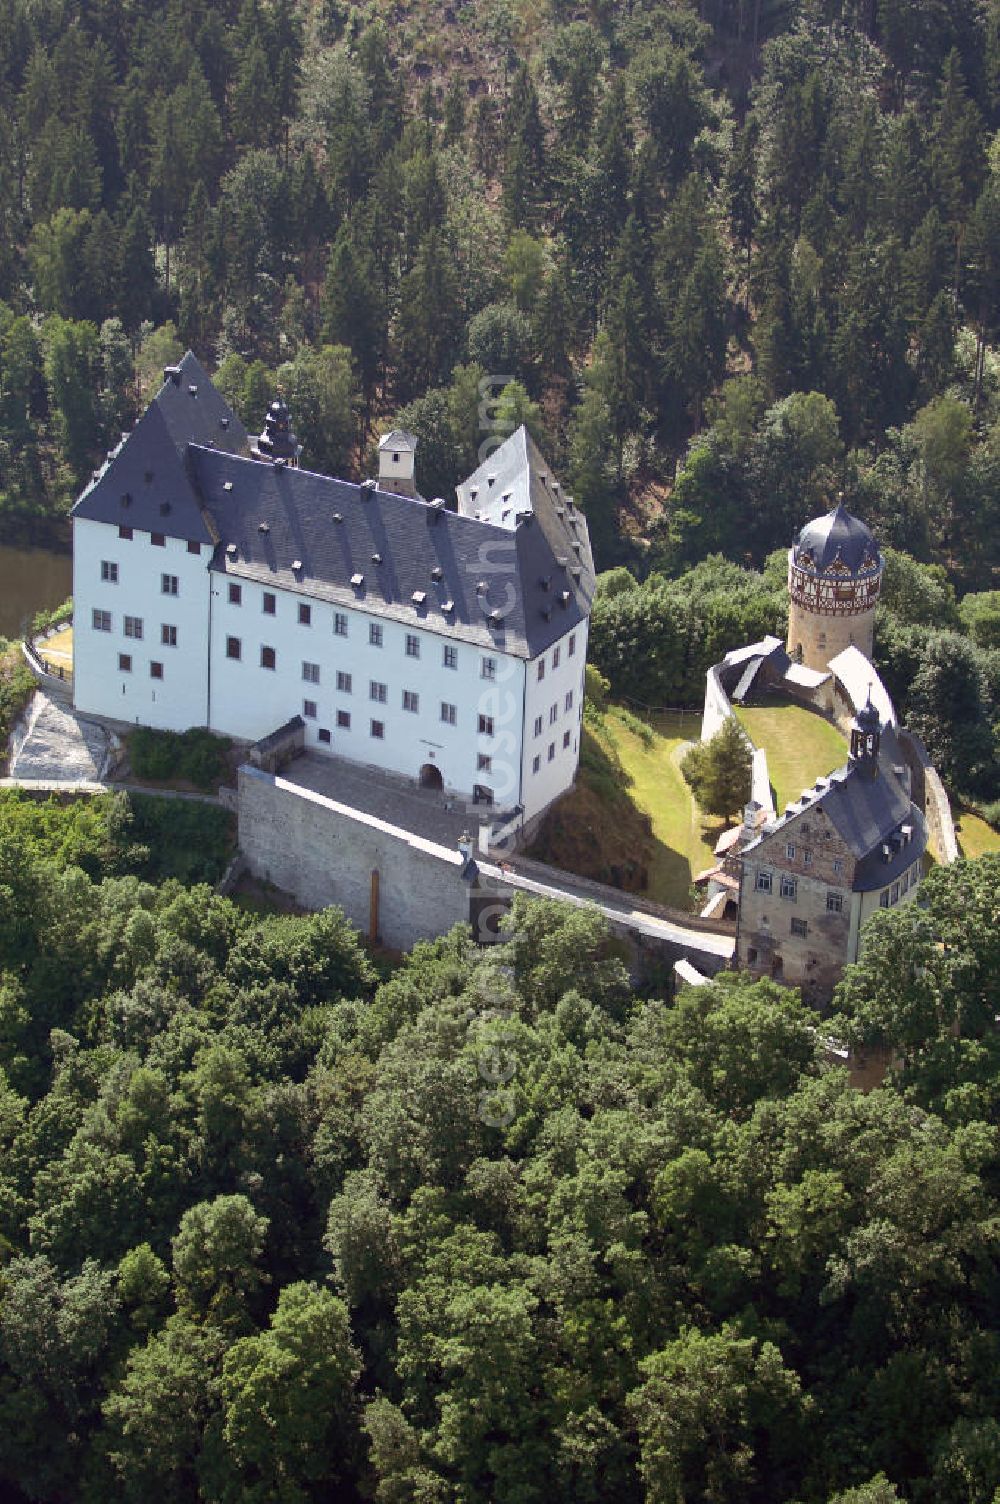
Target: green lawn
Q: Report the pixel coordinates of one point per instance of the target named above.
(800, 745)
(975, 837)
(684, 841)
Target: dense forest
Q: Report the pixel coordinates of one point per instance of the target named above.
(724, 258)
(487, 1226)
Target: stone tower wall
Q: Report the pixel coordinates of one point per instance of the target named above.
(823, 636)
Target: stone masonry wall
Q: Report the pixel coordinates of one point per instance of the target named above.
(324, 853)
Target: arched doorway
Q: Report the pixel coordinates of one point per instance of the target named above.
(430, 777)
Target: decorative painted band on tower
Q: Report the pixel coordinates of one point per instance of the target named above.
(834, 577)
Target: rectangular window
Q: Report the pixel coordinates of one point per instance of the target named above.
(894, 895)
(905, 885)
(124, 532)
(536, 764)
(377, 691)
(310, 673)
(109, 571)
(451, 657)
(449, 713)
(156, 670)
(571, 646)
(790, 852)
(268, 658)
(375, 640)
(487, 668)
(378, 730)
(538, 725)
(125, 663)
(193, 548)
(751, 955)
(339, 624)
(883, 899)
(309, 709)
(235, 594)
(343, 682)
(789, 888)
(838, 866)
(807, 856)
(234, 648)
(565, 739)
(553, 714)
(484, 763)
(158, 540)
(168, 635)
(552, 751)
(305, 615)
(568, 703)
(541, 669)
(485, 725)
(765, 882)
(835, 903)
(133, 627)
(270, 603)
(412, 645)
(555, 658)
(323, 735)
(343, 720)
(800, 927)
(168, 584)
(411, 700)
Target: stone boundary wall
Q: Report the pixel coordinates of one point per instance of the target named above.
(277, 750)
(717, 706)
(322, 853)
(936, 806)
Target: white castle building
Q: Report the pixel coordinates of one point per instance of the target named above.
(216, 583)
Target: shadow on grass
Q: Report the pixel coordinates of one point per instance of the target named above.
(597, 831)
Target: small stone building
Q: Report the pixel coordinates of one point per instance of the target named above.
(851, 844)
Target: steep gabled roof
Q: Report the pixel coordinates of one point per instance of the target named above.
(145, 482)
(516, 480)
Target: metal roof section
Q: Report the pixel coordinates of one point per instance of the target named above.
(858, 677)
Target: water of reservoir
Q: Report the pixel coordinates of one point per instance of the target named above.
(31, 579)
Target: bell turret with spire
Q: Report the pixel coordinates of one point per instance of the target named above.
(277, 442)
(866, 733)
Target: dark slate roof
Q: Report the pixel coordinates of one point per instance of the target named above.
(145, 482)
(515, 480)
(868, 814)
(538, 598)
(839, 541)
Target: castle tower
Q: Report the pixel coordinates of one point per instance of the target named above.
(277, 442)
(834, 576)
(397, 462)
(866, 734)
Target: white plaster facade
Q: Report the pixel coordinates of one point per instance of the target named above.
(122, 578)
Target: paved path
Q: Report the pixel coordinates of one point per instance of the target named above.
(427, 813)
(85, 786)
(702, 941)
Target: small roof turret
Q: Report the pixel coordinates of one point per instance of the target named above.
(398, 440)
(277, 441)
